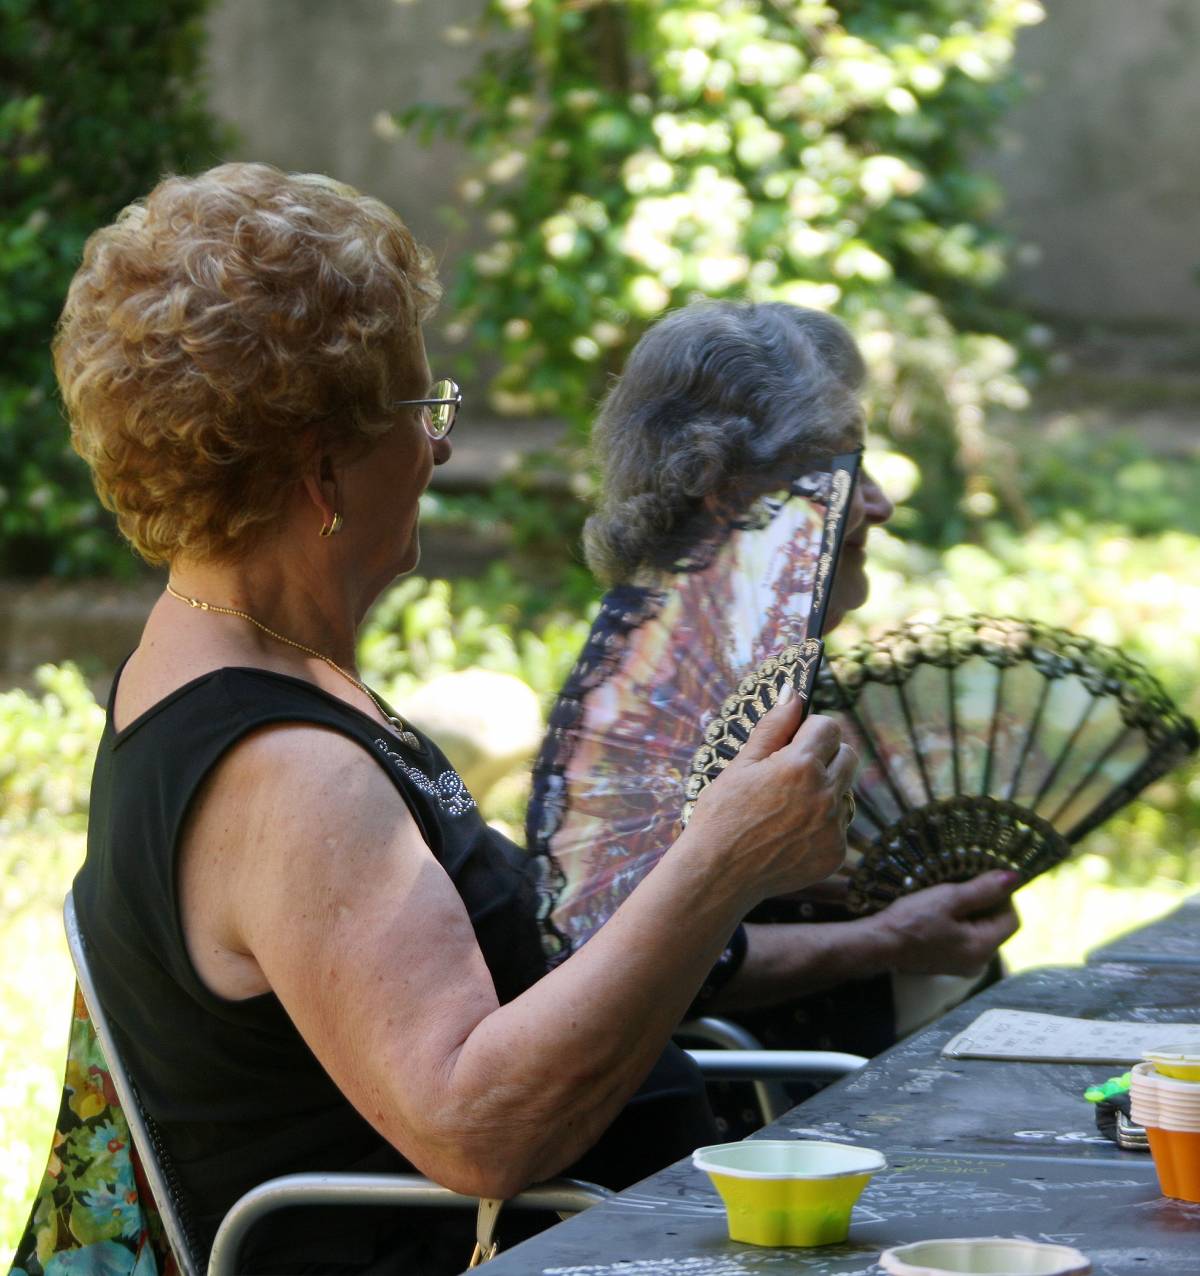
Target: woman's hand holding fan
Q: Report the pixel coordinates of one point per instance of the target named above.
(782, 800)
(953, 928)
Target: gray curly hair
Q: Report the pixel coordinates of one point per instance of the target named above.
(717, 399)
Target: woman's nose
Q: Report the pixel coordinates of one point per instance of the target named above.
(442, 450)
(877, 508)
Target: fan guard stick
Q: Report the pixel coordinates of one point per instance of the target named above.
(844, 478)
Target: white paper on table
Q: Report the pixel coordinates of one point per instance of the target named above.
(1024, 1034)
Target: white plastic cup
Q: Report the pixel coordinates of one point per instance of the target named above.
(984, 1256)
(1163, 1102)
(1149, 1074)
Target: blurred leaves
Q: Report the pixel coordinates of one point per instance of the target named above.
(1089, 475)
(422, 628)
(98, 102)
(47, 746)
(630, 157)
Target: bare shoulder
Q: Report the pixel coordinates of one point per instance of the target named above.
(304, 874)
(295, 822)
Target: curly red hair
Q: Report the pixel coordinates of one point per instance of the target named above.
(223, 331)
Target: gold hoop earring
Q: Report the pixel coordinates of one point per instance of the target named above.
(333, 526)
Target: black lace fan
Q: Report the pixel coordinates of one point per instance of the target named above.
(984, 744)
(989, 743)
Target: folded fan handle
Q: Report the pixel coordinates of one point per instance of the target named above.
(843, 478)
(806, 678)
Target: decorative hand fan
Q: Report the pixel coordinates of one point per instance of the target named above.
(660, 658)
(795, 664)
(984, 744)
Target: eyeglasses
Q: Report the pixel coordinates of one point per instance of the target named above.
(442, 407)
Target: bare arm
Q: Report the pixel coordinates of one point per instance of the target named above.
(345, 914)
(952, 929)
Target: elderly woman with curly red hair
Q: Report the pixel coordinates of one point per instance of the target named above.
(315, 953)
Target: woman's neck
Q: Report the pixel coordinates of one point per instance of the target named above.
(302, 607)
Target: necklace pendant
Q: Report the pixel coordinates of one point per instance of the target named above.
(406, 736)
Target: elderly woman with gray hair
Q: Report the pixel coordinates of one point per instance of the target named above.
(720, 406)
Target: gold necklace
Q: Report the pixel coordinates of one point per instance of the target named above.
(397, 724)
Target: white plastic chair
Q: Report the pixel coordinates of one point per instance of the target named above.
(562, 1196)
(741, 1059)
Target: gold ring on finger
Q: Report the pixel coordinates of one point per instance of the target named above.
(851, 807)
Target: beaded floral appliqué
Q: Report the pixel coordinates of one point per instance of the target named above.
(448, 790)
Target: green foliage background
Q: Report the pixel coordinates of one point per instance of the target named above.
(635, 154)
(97, 101)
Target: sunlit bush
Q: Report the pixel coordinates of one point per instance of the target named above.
(47, 746)
(633, 155)
(422, 628)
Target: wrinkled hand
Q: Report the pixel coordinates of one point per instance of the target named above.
(778, 809)
(954, 928)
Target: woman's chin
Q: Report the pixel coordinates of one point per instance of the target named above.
(844, 600)
(411, 557)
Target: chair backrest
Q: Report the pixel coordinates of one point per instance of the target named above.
(771, 1097)
(742, 1057)
(558, 1195)
(155, 1164)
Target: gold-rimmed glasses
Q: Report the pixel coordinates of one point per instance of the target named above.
(441, 407)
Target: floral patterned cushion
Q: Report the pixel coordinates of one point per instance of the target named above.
(93, 1214)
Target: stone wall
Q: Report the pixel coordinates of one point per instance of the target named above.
(305, 82)
(94, 623)
(1099, 164)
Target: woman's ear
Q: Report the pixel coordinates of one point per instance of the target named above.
(321, 486)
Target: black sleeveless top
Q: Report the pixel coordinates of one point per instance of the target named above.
(236, 1093)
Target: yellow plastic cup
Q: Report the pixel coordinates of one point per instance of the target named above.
(783, 1192)
(1182, 1063)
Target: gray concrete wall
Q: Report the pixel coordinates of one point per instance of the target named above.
(304, 81)
(1099, 164)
